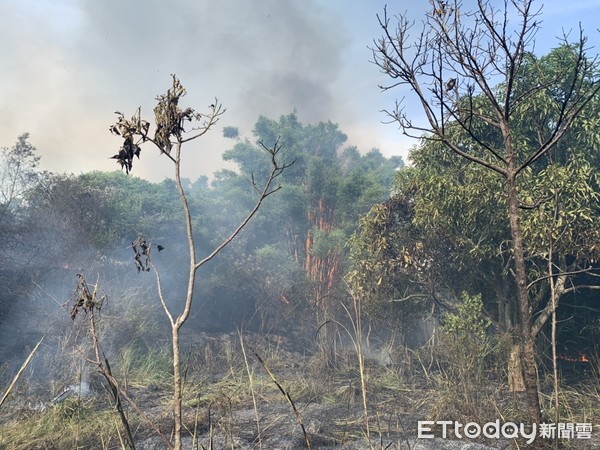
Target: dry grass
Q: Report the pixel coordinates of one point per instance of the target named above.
(228, 395)
(20, 372)
(74, 423)
(140, 367)
(578, 404)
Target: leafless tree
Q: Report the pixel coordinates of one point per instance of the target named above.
(169, 138)
(462, 68)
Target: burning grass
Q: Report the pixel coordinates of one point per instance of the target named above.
(231, 401)
(223, 406)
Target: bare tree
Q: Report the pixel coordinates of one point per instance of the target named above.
(463, 67)
(169, 138)
(88, 301)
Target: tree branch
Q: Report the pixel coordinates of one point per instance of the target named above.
(276, 170)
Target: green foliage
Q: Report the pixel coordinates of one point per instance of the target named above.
(568, 220)
(465, 342)
(323, 194)
(469, 321)
(231, 132)
(326, 243)
(464, 349)
(448, 231)
(77, 217)
(458, 201)
(74, 423)
(19, 176)
(142, 367)
(381, 251)
(464, 202)
(103, 210)
(322, 197)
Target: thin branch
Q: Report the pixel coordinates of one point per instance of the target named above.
(153, 141)
(212, 119)
(409, 297)
(287, 396)
(559, 274)
(160, 293)
(267, 190)
(582, 286)
(536, 204)
(572, 105)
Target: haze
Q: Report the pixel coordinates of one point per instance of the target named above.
(69, 64)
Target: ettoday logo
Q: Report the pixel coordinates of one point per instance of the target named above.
(508, 430)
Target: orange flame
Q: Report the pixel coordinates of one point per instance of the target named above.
(582, 357)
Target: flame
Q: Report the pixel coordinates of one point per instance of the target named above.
(582, 357)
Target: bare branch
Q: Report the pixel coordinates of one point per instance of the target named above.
(391, 54)
(582, 286)
(267, 190)
(572, 104)
(211, 119)
(160, 294)
(559, 274)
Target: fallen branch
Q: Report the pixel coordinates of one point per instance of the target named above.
(21, 370)
(288, 398)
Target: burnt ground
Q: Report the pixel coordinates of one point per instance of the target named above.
(231, 402)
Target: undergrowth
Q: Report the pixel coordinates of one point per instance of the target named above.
(229, 393)
(75, 423)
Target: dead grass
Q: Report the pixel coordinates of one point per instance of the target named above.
(74, 423)
(578, 404)
(220, 401)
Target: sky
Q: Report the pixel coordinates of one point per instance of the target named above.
(67, 65)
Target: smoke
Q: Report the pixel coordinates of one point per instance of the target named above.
(69, 64)
(72, 65)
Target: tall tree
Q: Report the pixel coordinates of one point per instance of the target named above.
(19, 174)
(327, 190)
(452, 67)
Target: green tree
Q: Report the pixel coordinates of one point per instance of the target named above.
(97, 212)
(450, 67)
(326, 191)
(19, 174)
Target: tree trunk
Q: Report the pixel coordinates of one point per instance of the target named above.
(506, 305)
(515, 370)
(527, 339)
(506, 320)
(176, 389)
